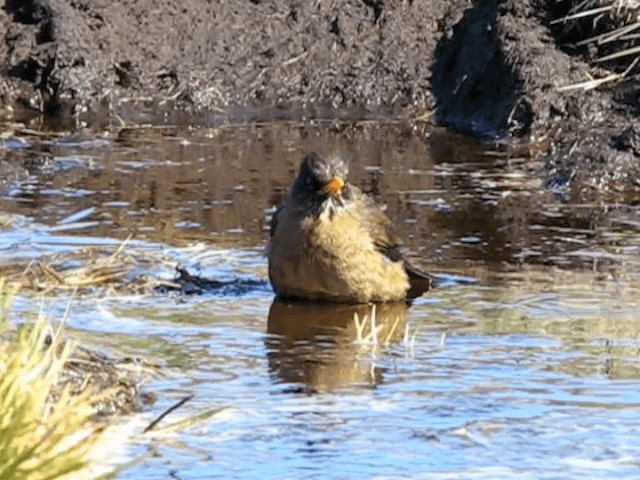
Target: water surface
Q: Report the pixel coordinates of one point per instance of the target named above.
(524, 364)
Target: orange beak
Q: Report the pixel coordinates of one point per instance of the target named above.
(334, 186)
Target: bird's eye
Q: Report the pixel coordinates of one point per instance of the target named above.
(312, 184)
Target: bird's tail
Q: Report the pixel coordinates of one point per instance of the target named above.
(419, 281)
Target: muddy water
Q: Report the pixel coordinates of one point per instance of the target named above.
(524, 364)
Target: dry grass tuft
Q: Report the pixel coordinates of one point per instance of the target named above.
(105, 268)
(372, 333)
(40, 439)
(111, 271)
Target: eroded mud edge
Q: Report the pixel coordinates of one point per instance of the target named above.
(489, 68)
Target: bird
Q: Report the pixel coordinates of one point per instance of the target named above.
(331, 242)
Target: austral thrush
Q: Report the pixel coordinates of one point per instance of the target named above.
(331, 242)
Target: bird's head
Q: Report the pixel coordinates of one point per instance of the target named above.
(320, 178)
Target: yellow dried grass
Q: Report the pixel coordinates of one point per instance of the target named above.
(40, 439)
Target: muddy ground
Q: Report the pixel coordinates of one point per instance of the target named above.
(496, 69)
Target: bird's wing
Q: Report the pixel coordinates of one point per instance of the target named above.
(378, 224)
(273, 224)
(386, 242)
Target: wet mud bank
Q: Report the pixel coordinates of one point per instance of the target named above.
(496, 69)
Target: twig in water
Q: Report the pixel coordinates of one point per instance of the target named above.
(167, 412)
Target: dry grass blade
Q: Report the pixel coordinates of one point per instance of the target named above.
(610, 36)
(95, 274)
(619, 33)
(620, 54)
(591, 84)
(583, 14)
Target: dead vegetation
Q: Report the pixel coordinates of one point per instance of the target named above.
(51, 392)
(606, 32)
(120, 271)
(108, 269)
(57, 398)
(83, 369)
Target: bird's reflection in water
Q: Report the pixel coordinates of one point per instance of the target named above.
(316, 347)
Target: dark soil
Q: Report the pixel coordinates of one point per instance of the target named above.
(490, 68)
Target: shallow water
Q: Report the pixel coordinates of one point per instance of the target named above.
(525, 363)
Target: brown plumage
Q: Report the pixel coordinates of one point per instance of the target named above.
(331, 242)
